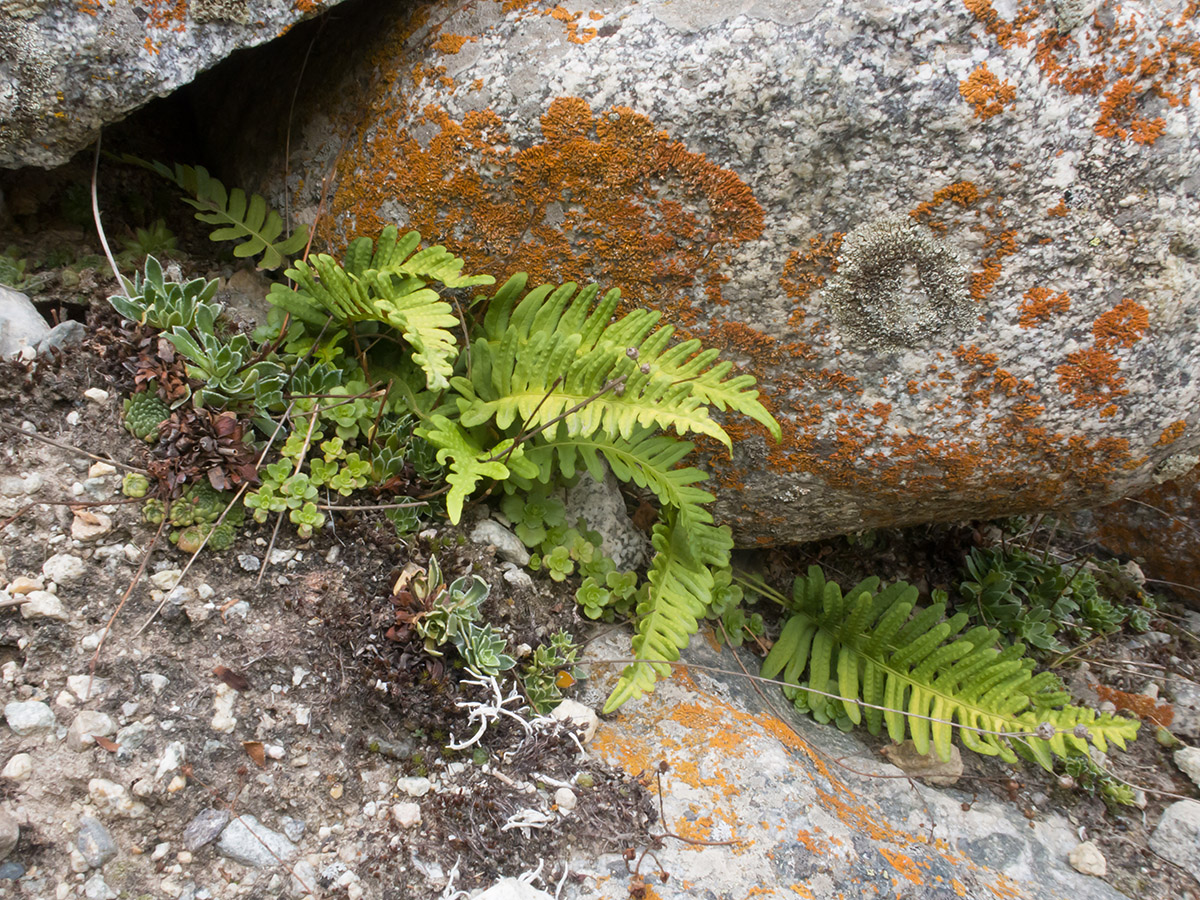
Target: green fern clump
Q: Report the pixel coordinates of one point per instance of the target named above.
(892, 663)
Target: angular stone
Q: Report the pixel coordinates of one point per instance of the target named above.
(63, 568)
(929, 766)
(578, 714)
(1088, 859)
(43, 605)
(19, 768)
(21, 325)
(94, 842)
(26, 717)
(250, 843)
(931, 328)
(86, 726)
(507, 544)
(10, 833)
(205, 828)
(114, 799)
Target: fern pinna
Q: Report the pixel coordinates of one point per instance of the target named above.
(912, 674)
(567, 387)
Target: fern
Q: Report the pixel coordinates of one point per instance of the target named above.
(550, 354)
(246, 221)
(385, 282)
(907, 663)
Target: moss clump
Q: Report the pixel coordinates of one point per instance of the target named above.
(144, 412)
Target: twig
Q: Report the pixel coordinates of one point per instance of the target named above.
(62, 446)
(96, 213)
(128, 592)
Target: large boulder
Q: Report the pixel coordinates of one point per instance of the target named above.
(68, 67)
(956, 243)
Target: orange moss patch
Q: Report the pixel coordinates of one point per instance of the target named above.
(1122, 326)
(451, 43)
(986, 93)
(1039, 305)
(599, 198)
(1171, 433)
(1144, 707)
(1128, 59)
(1092, 376)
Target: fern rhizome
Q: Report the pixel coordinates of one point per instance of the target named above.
(875, 655)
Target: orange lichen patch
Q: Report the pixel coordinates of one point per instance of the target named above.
(1040, 304)
(1058, 211)
(308, 6)
(91, 7)
(599, 198)
(903, 864)
(1122, 326)
(1128, 59)
(986, 93)
(166, 14)
(1171, 433)
(451, 43)
(963, 193)
(1141, 705)
(1092, 376)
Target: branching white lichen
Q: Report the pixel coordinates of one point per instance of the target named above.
(898, 285)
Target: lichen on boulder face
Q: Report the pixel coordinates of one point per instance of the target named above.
(957, 246)
(73, 66)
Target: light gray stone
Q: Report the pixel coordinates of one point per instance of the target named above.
(507, 544)
(513, 889)
(94, 842)
(601, 505)
(1188, 761)
(64, 335)
(1087, 859)
(64, 568)
(250, 843)
(27, 717)
(86, 726)
(96, 888)
(1177, 835)
(1008, 319)
(43, 605)
(21, 325)
(414, 786)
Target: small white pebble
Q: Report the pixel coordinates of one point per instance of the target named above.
(564, 799)
(183, 857)
(96, 395)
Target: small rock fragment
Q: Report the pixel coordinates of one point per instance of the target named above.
(94, 842)
(96, 888)
(19, 768)
(63, 568)
(407, 815)
(114, 798)
(928, 766)
(508, 545)
(1088, 859)
(173, 757)
(86, 726)
(10, 833)
(96, 395)
(24, 585)
(565, 799)
(579, 714)
(167, 579)
(512, 889)
(90, 526)
(250, 843)
(27, 717)
(43, 605)
(223, 720)
(154, 681)
(414, 787)
(85, 687)
(205, 828)
(1188, 760)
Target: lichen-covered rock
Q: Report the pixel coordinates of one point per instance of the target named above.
(71, 66)
(957, 247)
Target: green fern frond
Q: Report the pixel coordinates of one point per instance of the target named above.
(553, 349)
(883, 650)
(469, 462)
(247, 221)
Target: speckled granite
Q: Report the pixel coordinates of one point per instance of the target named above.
(67, 67)
(805, 825)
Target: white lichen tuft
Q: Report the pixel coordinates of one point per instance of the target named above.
(897, 285)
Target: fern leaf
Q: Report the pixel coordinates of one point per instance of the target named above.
(468, 461)
(248, 222)
(553, 350)
(909, 661)
(681, 588)
(425, 320)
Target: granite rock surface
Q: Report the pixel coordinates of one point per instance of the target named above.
(68, 67)
(957, 247)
